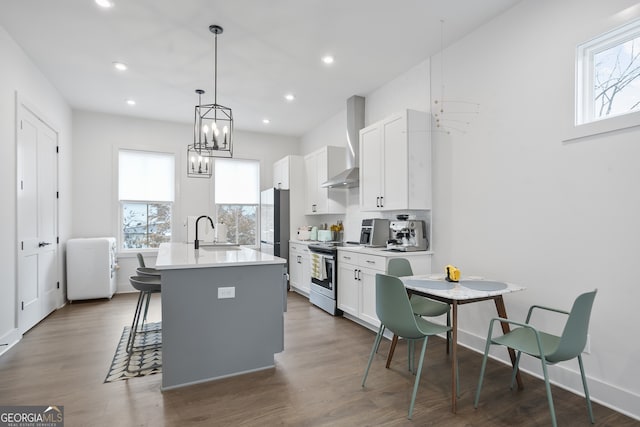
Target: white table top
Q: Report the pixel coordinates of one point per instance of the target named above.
(183, 255)
(468, 288)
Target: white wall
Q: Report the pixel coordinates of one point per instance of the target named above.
(513, 202)
(18, 73)
(96, 140)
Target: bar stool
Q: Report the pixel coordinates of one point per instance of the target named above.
(145, 271)
(146, 285)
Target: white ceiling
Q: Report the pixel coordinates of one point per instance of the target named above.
(268, 48)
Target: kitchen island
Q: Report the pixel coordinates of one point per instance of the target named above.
(222, 311)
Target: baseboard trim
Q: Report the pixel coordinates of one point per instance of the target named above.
(8, 340)
(563, 376)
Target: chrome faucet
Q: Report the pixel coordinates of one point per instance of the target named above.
(196, 244)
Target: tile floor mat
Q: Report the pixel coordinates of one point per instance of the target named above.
(144, 360)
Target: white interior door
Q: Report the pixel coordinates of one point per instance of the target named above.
(37, 168)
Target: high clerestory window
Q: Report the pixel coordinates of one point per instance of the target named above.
(608, 77)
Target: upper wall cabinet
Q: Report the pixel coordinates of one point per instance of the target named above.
(395, 163)
(284, 170)
(320, 165)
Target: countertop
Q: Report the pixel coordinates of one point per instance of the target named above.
(366, 250)
(183, 255)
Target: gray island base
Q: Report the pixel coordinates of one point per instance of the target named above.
(222, 312)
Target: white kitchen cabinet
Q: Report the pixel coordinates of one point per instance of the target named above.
(299, 268)
(348, 284)
(288, 174)
(284, 170)
(320, 166)
(357, 269)
(395, 163)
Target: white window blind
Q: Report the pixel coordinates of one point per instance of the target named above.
(144, 175)
(237, 182)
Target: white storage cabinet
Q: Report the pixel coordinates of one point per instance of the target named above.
(395, 163)
(319, 167)
(299, 268)
(357, 280)
(91, 268)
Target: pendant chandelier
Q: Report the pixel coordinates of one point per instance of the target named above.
(212, 129)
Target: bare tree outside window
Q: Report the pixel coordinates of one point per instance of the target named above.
(616, 82)
(145, 225)
(241, 222)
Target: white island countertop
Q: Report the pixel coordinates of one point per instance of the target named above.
(183, 255)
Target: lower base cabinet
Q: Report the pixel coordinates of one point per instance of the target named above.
(357, 281)
(299, 268)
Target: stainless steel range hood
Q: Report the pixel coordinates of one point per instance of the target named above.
(350, 177)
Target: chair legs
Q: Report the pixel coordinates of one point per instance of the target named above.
(134, 323)
(392, 349)
(144, 299)
(376, 343)
(586, 391)
(546, 383)
(374, 348)
(418, 373)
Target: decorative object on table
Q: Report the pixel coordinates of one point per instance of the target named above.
(396, 314)
(139, 363)
(453, 273)
(213, 127)
(550, 349)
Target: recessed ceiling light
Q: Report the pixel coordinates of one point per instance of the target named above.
(131, 102)
(104, 3)
(120, 66)
(328, 59)
(289, 97)
(266, 121)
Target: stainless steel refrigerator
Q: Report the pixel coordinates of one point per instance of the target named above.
(274, 222)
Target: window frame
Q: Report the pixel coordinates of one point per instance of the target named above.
(117, 224)
(121, 237)
(256, 245)
(584, 123)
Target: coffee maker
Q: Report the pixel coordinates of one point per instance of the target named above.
(408, 236)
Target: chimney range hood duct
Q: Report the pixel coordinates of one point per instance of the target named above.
(350, 177)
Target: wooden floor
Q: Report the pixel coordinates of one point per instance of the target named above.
(316, 381)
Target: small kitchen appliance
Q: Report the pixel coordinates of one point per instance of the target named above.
(374, 232)
(408, 236)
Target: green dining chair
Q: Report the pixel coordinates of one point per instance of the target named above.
(396, 314)
(421, 306)
(550, 349)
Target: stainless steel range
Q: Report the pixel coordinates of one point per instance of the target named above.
(324, 276)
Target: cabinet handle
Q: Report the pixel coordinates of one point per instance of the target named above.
(382, 201)
(355, 274)
(377, 202)
(370, 262)
(359, 271)
(346, 257)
